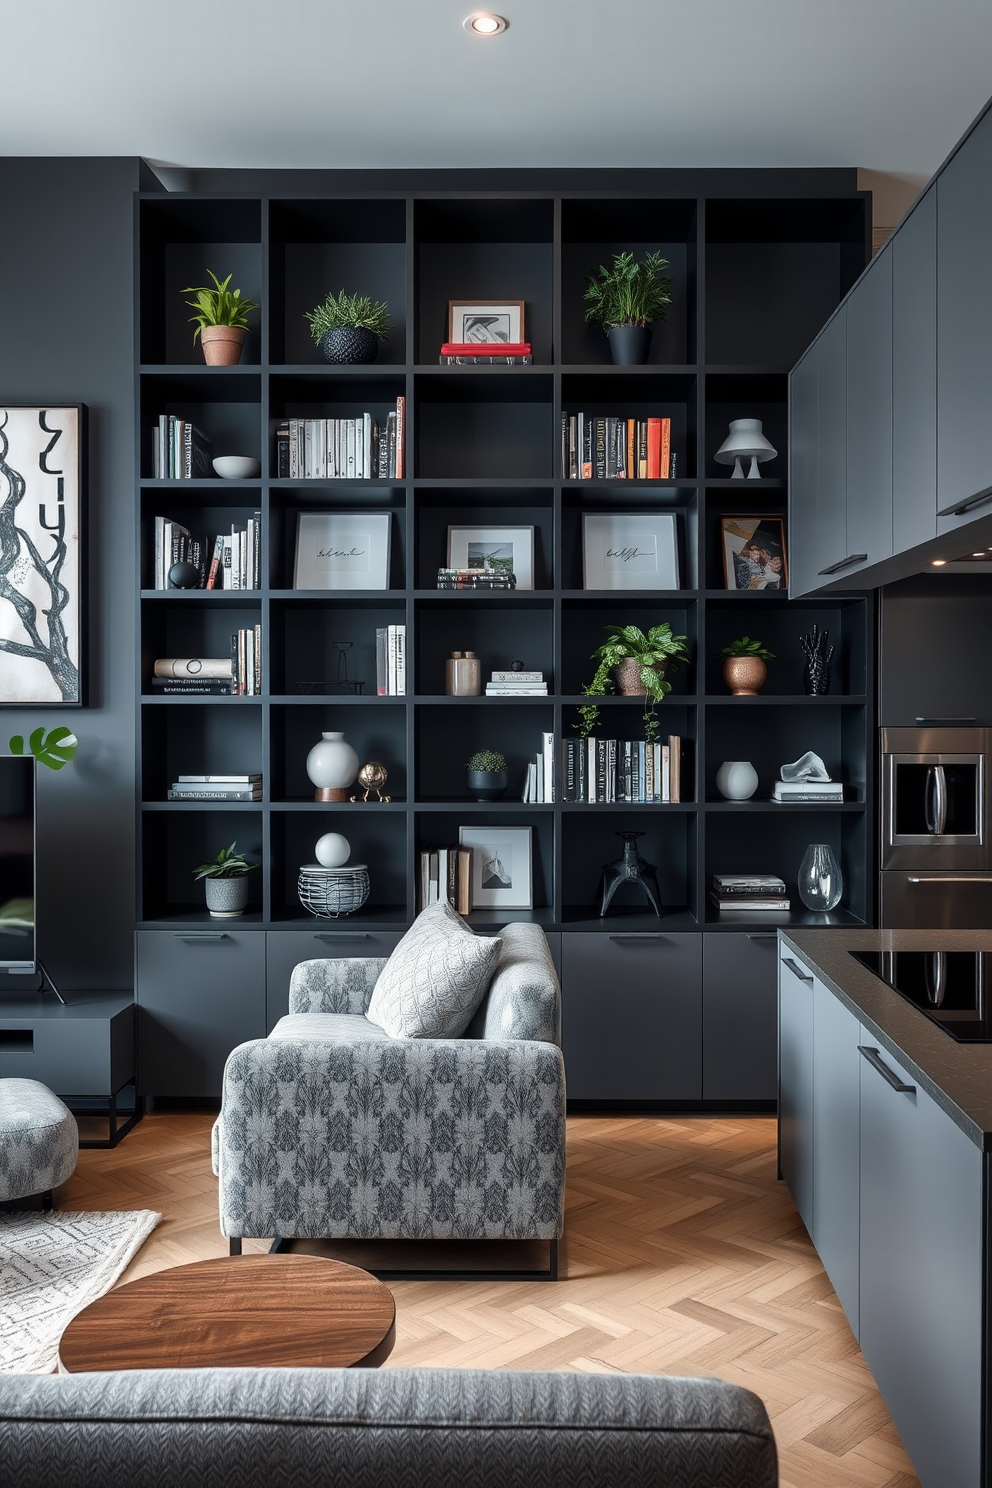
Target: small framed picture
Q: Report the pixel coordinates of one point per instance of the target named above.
(754, 554)
(629, 550)
(501, 866)
(486, 320)
(342, 550)
(481, 547)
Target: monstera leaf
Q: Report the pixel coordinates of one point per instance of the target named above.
(54, 748)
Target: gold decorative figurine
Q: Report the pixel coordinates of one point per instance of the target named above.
(373, 777)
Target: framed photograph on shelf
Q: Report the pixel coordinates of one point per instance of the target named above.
(501, 866)
(342, 550)
(629, 550)
(41, 554)
(486, 320)
(485, 546)
(754, 555)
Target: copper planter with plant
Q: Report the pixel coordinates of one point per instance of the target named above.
(637, 663)
(744, 669)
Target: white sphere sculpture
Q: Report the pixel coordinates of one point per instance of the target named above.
(332, 850)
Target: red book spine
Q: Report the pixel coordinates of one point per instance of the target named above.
(486, 348)
(654, 448)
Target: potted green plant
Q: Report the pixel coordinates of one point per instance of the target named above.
(55, 747)
(638, 663)
(348, 328)
(744, 669)
(225, 882)
(221, 320)
(626, 299)
(486, 775)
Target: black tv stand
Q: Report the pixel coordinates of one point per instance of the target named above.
(46, 978)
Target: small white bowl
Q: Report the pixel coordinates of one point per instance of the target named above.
(237, 467)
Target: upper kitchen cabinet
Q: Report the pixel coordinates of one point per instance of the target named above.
(803, 472)
(832, 552)
(964, 331)
(914, 376)
(869, 418)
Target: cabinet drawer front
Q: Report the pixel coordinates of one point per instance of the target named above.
(70, 1057)
(795, 1082)
(287, 948)
(740, 1040)
(632, 1016)
(199, 994)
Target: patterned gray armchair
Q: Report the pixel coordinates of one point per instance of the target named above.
(331, 1129)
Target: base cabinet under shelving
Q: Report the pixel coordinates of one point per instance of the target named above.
(739, 1017)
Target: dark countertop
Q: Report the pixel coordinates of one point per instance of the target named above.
(957, 1076)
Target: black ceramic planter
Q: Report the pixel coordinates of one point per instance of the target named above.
(349, 345)
(629, 345)
(487, 785)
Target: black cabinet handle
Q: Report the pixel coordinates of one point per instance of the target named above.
(761, 935)
(645, 935)
(844, 563)
(796, 969)
(200, 934)
(878, 1063)
(340, 935)
(962, 506)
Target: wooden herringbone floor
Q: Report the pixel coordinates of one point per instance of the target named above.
(684, 1256)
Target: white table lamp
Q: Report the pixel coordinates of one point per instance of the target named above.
(745, 441)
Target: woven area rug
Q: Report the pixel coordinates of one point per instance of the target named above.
(51, 1267)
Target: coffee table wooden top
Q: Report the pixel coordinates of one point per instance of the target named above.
(261, 1311)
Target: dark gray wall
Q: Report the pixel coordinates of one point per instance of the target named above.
(936, 636)
(66, 315)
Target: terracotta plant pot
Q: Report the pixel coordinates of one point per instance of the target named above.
(745, 675)
(222, 345)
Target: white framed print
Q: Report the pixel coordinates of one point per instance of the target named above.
(510, 549)
(501, 866)
(342, 550)
(486, 321)
(629, 550)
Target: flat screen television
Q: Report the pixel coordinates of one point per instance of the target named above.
(17, 864)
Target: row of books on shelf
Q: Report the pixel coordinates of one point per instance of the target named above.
(476, 578)
(215, 788)
(235, 558)
(595, 448)
(748, 891)
(180, 451)
(390, 661)
(238, 674)
(486, 354)
(604, 771)
(446, 873)
(342, 448)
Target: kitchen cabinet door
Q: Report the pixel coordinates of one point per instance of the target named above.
(834, 554)
(836, 1146)
(914, 376)
(869, 417)
(739, 1017)
(795, 1082)
(803, 536)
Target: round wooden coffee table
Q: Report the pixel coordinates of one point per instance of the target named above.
(262, 1311)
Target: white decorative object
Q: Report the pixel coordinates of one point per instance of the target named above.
(745, 442)
(342, 550)
(332, 850)
(808, 767)
(332, 766)
(629, 550)
(236, 467)
(737, 780)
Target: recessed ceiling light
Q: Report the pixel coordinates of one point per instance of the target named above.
(937, 562)
(483, 23)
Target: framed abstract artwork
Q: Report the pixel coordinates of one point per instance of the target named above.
(41, 554)
(342, 550)
(486, 321)
(629, 550)
(501, 866)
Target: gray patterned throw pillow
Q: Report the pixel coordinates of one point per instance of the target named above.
(435, 978)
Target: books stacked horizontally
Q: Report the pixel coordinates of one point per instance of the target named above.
(180, 451)
(192, 675)
(390, 661)
(342, 449)
(808, 790)
(236, 558)
(476, 578)
(602, 771)
(516, 684)
(486, 354)
(594, 448)
(216, 788)
(540, 783)
(446, 874)
(748, 891)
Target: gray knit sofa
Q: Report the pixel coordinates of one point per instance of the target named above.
(393, 1428)
(330, 1129)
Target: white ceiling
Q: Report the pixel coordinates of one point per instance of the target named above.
(885, 84)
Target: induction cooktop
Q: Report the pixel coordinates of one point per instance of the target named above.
(953, 988)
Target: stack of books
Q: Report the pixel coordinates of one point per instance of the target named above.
(598, 772)
(246, 662)
(192, 675)
(539, 785)
(342, 449)
(808, 790)
(516, 684)
(476, 578)
(216, 788)
(748, 891)
(594, 448)
(180, 451)
(446, 874)
(486, 354)
(236, 561)
(390, 661)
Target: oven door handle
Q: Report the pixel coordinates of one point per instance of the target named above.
(942, 878)
(935, 801)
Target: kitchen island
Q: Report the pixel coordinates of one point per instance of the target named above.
(885, 1129)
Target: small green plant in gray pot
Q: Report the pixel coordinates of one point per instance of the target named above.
(626, 299)
(348, 328)
(486, 775)
(225, 881)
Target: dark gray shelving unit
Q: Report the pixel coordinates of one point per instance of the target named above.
(756, 274)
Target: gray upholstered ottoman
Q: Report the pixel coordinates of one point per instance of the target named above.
(39, 1140)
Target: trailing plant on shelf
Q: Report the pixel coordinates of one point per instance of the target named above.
(626, 299)
(221, 320)
(226, 882)
(55, 748)
(348, 328)
(641, 663)
(486, 775)
(744, 669)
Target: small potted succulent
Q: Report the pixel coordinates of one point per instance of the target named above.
(744, 669)
(221, 320)
(638, 664)
(348, 328)
(486, 775)
(225, 881)
(626, 299)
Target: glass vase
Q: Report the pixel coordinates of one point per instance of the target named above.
(821, 882)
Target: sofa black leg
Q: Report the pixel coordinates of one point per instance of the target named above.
(235, 1244)
(553, 1260)
(46, 1200)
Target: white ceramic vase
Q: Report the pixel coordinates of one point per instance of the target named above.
(737, 780)
(332, 766)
